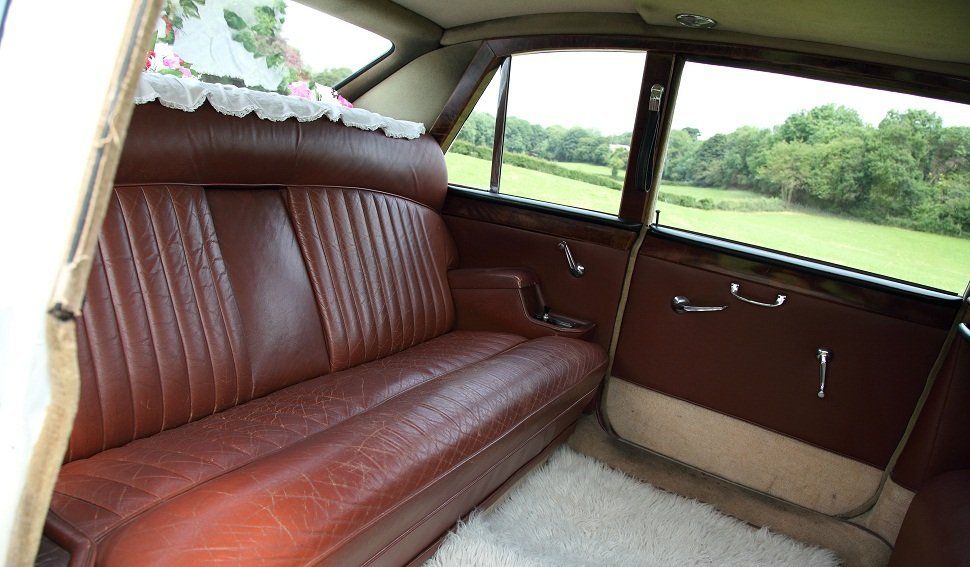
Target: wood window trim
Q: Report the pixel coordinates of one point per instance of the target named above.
(635, 197)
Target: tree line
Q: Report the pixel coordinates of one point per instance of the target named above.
(553, 143)
(908, 171)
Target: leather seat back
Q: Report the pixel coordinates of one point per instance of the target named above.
(379, 268)
(200, 296)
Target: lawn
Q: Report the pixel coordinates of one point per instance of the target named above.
(592, 168)
(930, 259)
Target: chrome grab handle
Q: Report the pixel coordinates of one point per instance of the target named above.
(681, 304)
(823, 355)
(576, 269)
(736, 287)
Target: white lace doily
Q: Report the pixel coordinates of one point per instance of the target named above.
(189, 94)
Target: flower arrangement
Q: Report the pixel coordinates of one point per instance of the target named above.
(164, 60)
(314, 91)
(256, 26)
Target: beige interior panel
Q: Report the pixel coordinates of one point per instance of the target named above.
(855, 546)
(886, 516)
(739, 451)
(419, 91)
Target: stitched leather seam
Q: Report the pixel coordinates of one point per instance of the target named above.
(121, 336)
(148, 325)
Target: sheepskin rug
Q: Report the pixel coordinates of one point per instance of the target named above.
(576, 511)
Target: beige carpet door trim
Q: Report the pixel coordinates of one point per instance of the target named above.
(739, 451)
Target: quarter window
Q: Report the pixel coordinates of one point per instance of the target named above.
(568, 120)
(863, 178)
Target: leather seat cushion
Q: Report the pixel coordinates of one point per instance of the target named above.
(95, 495)
(329, 482)
(935, 529)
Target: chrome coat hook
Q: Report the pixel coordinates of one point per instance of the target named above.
(575, 268)
(735, 291)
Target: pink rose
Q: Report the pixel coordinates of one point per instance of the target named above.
(342, 100)
(173, 62)
(186, 73)
(300, 89)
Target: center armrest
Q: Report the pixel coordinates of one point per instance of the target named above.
(492, 278)
(507, 300)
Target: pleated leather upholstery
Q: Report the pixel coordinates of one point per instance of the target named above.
(378, 264)
(159, 339)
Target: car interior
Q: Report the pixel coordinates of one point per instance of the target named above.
(632, 282)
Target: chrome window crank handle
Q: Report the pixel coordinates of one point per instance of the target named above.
(680, 304)
(575, 268)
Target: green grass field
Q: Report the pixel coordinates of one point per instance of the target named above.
(930, 259)
(592, 168)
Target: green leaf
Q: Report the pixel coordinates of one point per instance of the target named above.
(190, 8)
(274, 60)
(172, 72)
(234, 20)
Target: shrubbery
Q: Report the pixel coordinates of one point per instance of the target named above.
(536, 164)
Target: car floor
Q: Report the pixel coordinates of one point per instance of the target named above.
(575, 510)
(854, 545)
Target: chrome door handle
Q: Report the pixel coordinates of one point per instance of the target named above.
(823, 355)
(681, 304)
(575, 268)
(736, 287)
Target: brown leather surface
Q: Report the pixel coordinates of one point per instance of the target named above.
(372, 477)
(283, 334)
(378, 265)
(940, 442)
(160, 336)
(272, 372)
(205, 147)
(760, 365)
(593, 297)
(492, 278)
(99, 494)
(934, 533)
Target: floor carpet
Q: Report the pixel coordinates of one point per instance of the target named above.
(576, 511)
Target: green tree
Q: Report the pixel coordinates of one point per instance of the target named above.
(618, 160)
(820, 124)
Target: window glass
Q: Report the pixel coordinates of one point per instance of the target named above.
(567, 130)
(266, 45)
(867, 179)
(469, 158)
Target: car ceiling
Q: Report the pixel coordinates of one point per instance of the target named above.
(932, 30)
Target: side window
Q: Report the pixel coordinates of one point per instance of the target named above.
(867, 179)
(568, 126)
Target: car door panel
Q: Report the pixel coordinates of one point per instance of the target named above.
(760, 364)
(500, 235)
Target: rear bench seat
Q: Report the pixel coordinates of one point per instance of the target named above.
(268, 362)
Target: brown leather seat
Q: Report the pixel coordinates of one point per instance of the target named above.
(934, 532)
(269, 371)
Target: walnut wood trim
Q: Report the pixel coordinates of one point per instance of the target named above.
(486, 210)
(498, 143)
(459, 105)
(848, 71)
(649, 134)
(805, 276)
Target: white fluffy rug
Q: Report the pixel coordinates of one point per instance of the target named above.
(576, 511)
